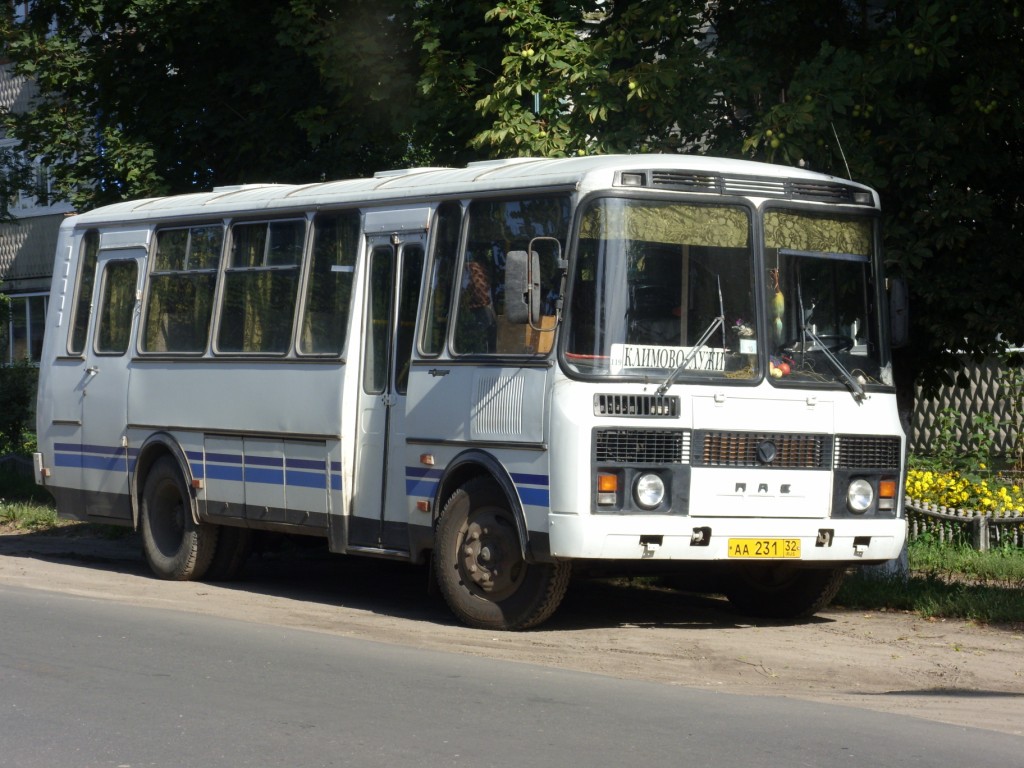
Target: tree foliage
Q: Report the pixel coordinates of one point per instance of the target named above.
(142, 97)
(919, 99)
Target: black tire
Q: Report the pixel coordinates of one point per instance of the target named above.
(234, 545)
(175, 547)
(783, 591)
(479, 565)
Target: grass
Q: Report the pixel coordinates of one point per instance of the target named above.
(28, 508)
(28, 516)
(948, 582)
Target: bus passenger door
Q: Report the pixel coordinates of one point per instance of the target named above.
(106, 458)
(379, 512)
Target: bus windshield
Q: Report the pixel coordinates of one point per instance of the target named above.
(665, 291)
(661, 288)
(821, 299)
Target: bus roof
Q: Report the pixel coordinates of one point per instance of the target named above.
(701, 173)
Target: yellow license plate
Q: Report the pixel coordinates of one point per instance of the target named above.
(764, 548)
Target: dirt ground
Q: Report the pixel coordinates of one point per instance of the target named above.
(949, 671)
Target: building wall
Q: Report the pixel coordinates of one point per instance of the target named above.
(26, 253)
(27, 244)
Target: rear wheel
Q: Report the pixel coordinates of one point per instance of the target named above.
(234, 545)
(175, 546)
(783, 591)
(480, 568)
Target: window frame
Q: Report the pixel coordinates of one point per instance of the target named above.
(153, 270)
(227, 269)
(308, 275)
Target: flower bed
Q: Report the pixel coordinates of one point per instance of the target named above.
(965, 509)
(991, 496)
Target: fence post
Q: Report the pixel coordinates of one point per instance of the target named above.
(979, 533)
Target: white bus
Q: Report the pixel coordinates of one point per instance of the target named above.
(512, 370)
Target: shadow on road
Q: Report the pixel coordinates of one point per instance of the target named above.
(300, 568)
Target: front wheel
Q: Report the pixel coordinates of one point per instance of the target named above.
(480, 568)
(783, 591)
(175, 547)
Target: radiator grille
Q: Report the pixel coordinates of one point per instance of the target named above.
(867, 452)
(642, 446)
(740, 449)
(651, 406)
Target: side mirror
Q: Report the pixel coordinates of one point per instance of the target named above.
(899, 313)
(522, 287)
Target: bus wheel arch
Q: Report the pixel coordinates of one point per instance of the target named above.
(152, 450)
(480, 567)
(474, 464)
(175, 545)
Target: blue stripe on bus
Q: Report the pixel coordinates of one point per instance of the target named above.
(424, 472)
(263, 461)
(230, 467)
(521, 479)
(99, 457)
(421, 487)
(224, 458)
(314, 464)
(534, 497)
(423, 483)
(305, 479)
(264, 476)
(221, 472)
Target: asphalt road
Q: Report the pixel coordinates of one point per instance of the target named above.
(85, 682)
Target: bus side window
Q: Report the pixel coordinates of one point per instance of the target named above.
(442, 273)
(181, 289)
(329, 290)
(90, 247)
(260, 286)
(497, 227)
(117, 307)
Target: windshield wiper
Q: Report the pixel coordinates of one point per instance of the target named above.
(718, 322)
(848, 378)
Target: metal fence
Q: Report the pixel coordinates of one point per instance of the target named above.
(988, 391)
(970, 527)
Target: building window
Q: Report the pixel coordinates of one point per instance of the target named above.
(23, 335)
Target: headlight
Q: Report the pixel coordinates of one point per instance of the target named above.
(860, 495)
(649, 490)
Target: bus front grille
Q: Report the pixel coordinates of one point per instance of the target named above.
(642, 446)
(761, 449)
(651, 406)
(867, 452)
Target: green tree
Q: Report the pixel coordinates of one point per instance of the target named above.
(919, 99)
(557, 78)
(143, 97)
(922, 101)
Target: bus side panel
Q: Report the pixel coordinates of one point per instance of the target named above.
(266, 453)
(59, 418)
(499, 410)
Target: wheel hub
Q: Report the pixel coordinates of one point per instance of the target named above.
(490, 560)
